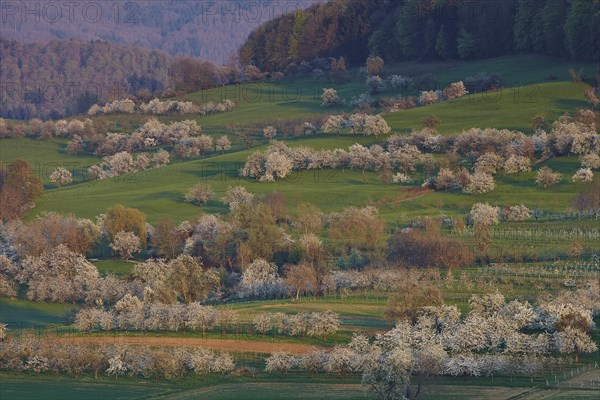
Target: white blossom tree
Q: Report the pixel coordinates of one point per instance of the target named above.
(61, 176)
(96, 172)
(200, 194)
(583, 175)
(483, 216)
(312, 361)
(200, 317)
(516, 164)
(330, 98)
(120, 163)
(323, 324)
(480, 183)
(574, 341)
(340, 361)
(160, 158)
(259, 277)
(3, 329)
(129, 313)
(280, 361)
(401, 178)
(269, 132)
(276, 165)
(399, 82)
(429, 97)
(369, 125)
(389, 377)
(223, 144)
(489, 163)
(125, 244)
(361, 158)
(546, 177)
(262, 323)
(237, 196)
(518, 213)
(455, 90)
(58, 275)
(334, 124)
(375, 84)
(590, 160)
(446, 180)
(406, 157)
(116, 366)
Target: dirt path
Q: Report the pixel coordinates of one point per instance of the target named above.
(216, 344)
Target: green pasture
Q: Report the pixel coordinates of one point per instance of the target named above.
(45, 156)
(509, 108)
(22, 313)
(160, 193)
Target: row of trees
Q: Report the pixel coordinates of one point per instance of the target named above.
(132, 314)
(376, 85)
(403, 155)
(124, 163)
(158, 107)
(38, 355)
(184, 137)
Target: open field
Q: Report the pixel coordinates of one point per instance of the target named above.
(290, 386)
(18, 313)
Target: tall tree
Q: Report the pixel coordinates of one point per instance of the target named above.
(124, 219)
(553, 17)
(19, 187)
(582, 30)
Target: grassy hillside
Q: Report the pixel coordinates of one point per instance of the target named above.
(511, 108)
(45, 156)
(159, 193)
(298, 98)
(16, 313)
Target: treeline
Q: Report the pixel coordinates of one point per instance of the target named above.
(39, 355)
(426, 30)
(211, 30)
(60, 78)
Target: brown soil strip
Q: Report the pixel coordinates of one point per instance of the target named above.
(216, 344)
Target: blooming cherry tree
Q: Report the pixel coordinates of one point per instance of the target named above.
(125, 244)
(61, 176)
(199, 194)
(280, 361)
(583, 175)
(330, 98)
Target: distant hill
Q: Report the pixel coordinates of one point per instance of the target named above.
(63, 77)
(210, 30)
(400, 30)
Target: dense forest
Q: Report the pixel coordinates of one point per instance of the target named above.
(208, 30)
(58, 78)
(427, 30)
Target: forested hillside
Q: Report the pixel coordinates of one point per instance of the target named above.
(58, 78)
(210, 30)
(427, 30)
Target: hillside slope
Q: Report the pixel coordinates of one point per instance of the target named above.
(208, 30)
